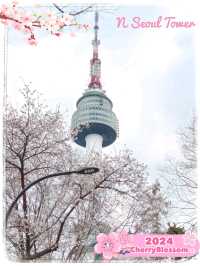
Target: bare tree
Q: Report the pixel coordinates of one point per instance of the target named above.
(180, 174)
(154, 211)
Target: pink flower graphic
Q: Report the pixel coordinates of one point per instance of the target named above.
(108, 245)
(190, 239)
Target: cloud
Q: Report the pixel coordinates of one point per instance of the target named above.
(56, 67)
(137, 92)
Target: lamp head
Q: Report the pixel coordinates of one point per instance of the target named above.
(88, 171)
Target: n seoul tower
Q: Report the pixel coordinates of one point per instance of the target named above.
(94, 109)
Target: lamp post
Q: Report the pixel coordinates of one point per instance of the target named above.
(83, 171)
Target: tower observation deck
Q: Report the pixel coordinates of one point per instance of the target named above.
(94, 115)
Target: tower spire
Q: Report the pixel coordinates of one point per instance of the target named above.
(95, 62)
(94, 122)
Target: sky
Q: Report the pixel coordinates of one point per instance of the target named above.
(149, 74)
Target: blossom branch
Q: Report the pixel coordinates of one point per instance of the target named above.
(14, 16)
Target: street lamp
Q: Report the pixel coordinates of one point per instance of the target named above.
(82, 171)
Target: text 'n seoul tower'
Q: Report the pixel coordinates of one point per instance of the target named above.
(94, 109)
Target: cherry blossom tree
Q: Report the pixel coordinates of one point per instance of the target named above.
(59, 219)
(33, 139)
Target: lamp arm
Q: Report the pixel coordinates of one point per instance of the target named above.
(31, 185)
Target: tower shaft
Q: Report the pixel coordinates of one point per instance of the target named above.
(94, 144)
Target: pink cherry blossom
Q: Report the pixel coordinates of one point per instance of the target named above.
(17, 25)
(51, 16)
(67, 18)
(4, 9)
(14, 3)
(21, 14)
(32, 41)
(108, 245)
(21, 20)
(86, 26)
(60, 23)
(15, 13)
(4, 21)
(72, 34)
(58, 34)
(26, 19)
(43, 22)
(26, 29)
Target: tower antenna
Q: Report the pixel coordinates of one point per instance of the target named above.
(95, 62)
